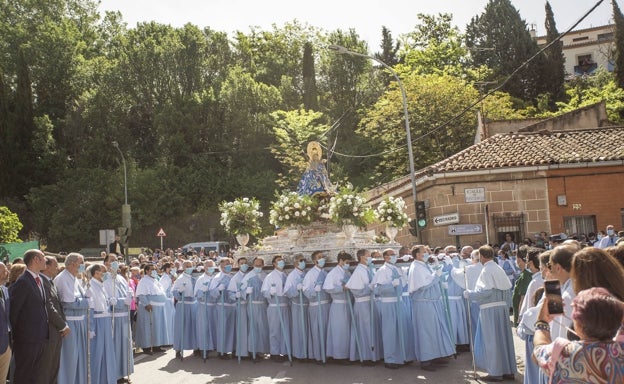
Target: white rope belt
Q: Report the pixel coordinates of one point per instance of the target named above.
(121, 314)
(304, 304)
(388, 299)
(362, 299)
(405, 294)
(206, 303)
(243, 302)
(258, 302)
(187, 301)
(455, 298)
(156, 304)
(227, 304)
(492, 305)
(100, 315)
(338, 301)
(316, 303)
(281, 305)
(74, 318)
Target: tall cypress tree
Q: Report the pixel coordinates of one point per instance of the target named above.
(619, 44)
(554, 67)
(310, 92)
(388, 52)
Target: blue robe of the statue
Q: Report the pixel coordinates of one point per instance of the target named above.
(73, 364)
(314, 180)
(318, 312)
(205, 316)
(185, 314)
(124, 360)
(225, 310)
(236, 292)
(258, 325)
(299, 314)
(339, 319)
(278, 313)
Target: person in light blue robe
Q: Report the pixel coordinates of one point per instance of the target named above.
(493, 349)
(318, 307)
(431, 332)
(258, 324)
(103, 364)
(364, 328)
(410, 346)
(236, 293)
(339, 320)
(457, 305)
(278, 311)
(166, 281)
(225, 309)
(293, 289)
(73, 363)
(388, 286)
(117, 287)
(151, 332)
(186, 311)
(205, 310)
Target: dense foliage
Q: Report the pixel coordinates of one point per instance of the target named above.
(202, 117)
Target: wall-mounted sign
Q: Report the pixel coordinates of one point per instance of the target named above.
(450, 218)
(474, 195)
(465, 229)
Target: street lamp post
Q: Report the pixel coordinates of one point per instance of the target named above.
(342, 50)
(126, 213)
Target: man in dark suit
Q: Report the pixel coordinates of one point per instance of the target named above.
(5, 348)
(29, 319)
(116, 247)
(57, 328)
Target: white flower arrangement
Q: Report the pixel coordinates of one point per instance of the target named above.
(391, 211)
(348, 207)
(291, 209)
(241, 216)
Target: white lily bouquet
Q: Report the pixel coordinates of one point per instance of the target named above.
(349, 207)
(241, 216)
(291, 209)
(391, 211)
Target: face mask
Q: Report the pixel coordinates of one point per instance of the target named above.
(345, 266)
(210, 270)
(301, 265)
(81, 268)
(188, 271)
(244, 268)
(281, 264)
(321, 263)
(258, 269)
(228, 268)
(599, 237)
(610, 232)
(154, 274)
(405, 257)
(393, 259)
(114, 265)
(105, 276)
(426, 256)
(369, 261)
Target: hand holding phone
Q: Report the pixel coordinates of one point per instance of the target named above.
(552, 289)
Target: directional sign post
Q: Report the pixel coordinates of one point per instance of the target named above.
(161, 233)
(465, 229)
(451, 218)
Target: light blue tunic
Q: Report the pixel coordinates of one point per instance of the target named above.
(365, 324)
(339, 319)
(299, 314)
(240, 330)
(103, 364)
(150, 328)
(225, 313)
(185, 314)
(318, 312)
(73, 365)
(258, 325)
(205, 314)
(457, 308)
(122, 335)
(278, 313)
(167, 284)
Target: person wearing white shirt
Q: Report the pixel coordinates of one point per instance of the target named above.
(278, 312)
(608, 241)
(151, 330)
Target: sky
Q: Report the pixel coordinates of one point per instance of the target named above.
(366, 16)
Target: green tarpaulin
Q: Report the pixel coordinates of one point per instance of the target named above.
(11, 251)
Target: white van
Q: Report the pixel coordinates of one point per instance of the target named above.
(221, 247)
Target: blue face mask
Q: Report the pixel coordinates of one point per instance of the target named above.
(321, 263)
(154, 274)
(426, 256)
(81, 268)
(105, 276)
(228, 268)
(114, 265)
(244, 268)
(369, 261)
(258, 269)
(393, 259)
(346, 266)
(301, 265)
(610, 232)
(210, 270)
(188, 271)
(599, 236)
(281, 264)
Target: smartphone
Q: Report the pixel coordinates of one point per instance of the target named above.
(552, 288)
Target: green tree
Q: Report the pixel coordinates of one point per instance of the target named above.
(10, 226)
(553, 75)
(618, 17)
(388, 54)
(310, 93)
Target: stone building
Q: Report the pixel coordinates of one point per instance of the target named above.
(559, 175)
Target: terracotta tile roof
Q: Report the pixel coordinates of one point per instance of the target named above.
(535, 149)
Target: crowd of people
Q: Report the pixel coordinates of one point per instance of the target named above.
(391, 307)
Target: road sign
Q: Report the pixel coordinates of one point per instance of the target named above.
(161, 233)
(465, 229)
(450, 218)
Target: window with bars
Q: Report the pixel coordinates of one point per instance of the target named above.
(577, 225)
(509, 223)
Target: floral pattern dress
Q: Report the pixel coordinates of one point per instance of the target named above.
(582, 362)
